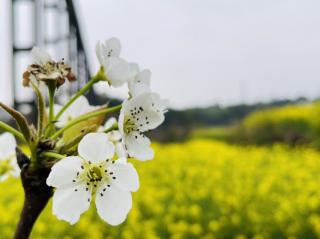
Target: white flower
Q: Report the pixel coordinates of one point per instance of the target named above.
(79, 107)
(115, 137)
(40, 57)
(110, 48)
(140, 83)
(93, 173)
(117, 70)
(46, 69)
(8, 160)
(140, 114)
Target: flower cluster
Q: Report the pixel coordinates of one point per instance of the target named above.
(89, 160)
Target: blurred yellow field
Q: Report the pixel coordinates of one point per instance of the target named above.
(202, 189)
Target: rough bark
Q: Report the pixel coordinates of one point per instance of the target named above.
(36, 195)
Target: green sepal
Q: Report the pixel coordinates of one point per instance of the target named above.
(100, 76)
(20, 119)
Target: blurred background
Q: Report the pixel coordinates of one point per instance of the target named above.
(238, 155)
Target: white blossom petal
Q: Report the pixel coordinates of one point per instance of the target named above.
(114, 135)
(120, 150)
(140, 84)
(100, 53)
(118, 71)
(96, 147)
(123, 111)
(122, 160)
(112, 47)
(148, 100)
(69, 203)
(56, 108)
(138, 146)
(79, 107)
(159, 104)
(134, 68)
(114, 205)
(109, 123)
(64, 172)
(40, 57)
(126, 176)
(8, 145)
(109, 48)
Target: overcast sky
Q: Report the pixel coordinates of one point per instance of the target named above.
(210, 51)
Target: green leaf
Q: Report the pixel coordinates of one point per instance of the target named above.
(41, 109)
(78, 129)
(72, 143)
(20, 119)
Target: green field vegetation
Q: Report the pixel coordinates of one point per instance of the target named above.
(292, 125)
(180, 124)
(224, 133)
(297, 124)
(202, 189)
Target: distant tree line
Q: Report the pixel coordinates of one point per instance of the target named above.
(179, 123)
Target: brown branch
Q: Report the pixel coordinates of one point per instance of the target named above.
(36, 193)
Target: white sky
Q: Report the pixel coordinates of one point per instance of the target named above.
(209, 51)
